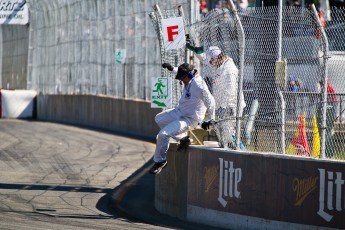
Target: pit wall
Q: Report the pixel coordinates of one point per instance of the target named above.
(247, 190)
(227, 189)
(127, 116)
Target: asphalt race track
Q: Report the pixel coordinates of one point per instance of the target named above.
(55, 176)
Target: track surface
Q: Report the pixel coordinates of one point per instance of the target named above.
(55, 176)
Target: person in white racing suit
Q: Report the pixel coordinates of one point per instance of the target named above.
(224, 84)
(195, 100)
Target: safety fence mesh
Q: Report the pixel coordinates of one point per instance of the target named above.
(217, 32)
(335, 127)
(298, 74)
(73, 47)
(305, 67)
(174, 57)
(295, 75)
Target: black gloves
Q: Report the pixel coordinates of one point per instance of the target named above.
(206, 124)
(189, 40)
(168, 66)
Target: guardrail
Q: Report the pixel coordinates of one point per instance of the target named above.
(297, 102)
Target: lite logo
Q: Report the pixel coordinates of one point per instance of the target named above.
(330, 183)
(229, 179)
(173, 33)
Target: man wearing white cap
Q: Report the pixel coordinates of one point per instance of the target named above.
(224, 84)
(193, 103)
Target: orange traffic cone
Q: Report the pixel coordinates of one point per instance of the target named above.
(300, 142)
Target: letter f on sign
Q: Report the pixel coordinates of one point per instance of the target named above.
(172, 30)
(173, 33)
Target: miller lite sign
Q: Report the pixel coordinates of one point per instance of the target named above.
(173, 33)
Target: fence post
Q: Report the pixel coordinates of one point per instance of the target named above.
(1, 58)
(340, 109)
(283, 107)
(241, 41)
(280, 42)
(324, 40)
(280, 30)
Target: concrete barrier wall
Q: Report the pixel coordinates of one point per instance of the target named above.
(246, 190)
(134, 117)
(17, 103)
(171, 185)
(228, 189)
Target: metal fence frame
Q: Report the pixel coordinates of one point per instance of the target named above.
(325, 78)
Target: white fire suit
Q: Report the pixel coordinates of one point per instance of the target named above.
(194, 101)
(224, 83)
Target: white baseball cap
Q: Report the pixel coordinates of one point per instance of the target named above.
(213, 52)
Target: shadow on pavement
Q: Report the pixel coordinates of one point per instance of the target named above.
(135, 196)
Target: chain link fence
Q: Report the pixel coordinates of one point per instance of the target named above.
(176, 56)
(335, 137)
(288, 109)
(73, 46)
(298, 70)
(305, 66)
(13, 56)
(220, 31)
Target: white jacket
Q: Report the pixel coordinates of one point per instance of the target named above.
(195, 100)
(224, 81)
